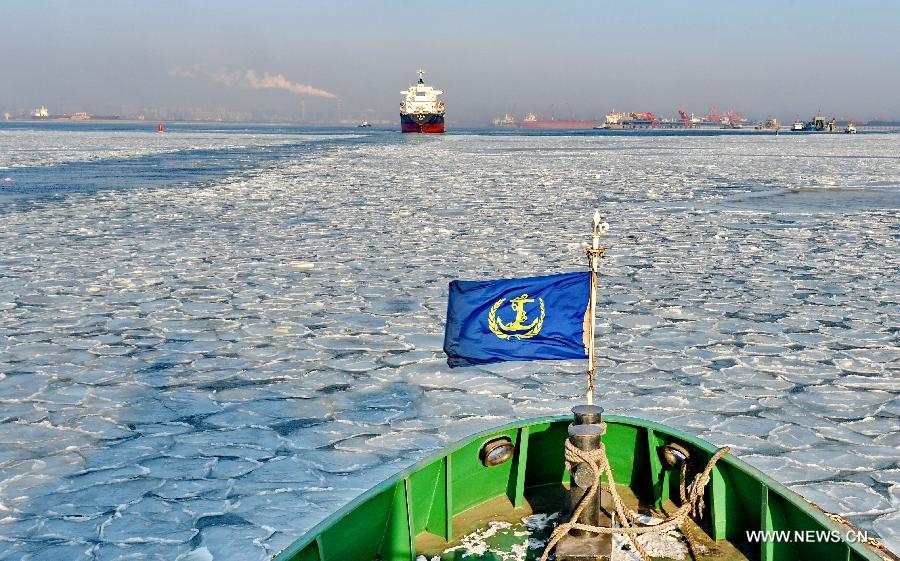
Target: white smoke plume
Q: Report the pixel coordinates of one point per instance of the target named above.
(250, 79)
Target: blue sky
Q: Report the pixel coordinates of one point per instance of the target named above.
(558, 58)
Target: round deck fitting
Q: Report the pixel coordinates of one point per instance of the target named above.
(497, 451)
(585, 437)
(587, 414)
(675, 454)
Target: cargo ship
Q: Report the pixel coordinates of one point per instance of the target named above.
(637, 120)
(532, 121)
(422, 111)
(706, 122)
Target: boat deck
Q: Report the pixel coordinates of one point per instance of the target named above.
(452, 506)
(498, 531)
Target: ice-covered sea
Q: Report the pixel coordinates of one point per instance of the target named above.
(211, 339)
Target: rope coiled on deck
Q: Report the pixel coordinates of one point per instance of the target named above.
(691, 501)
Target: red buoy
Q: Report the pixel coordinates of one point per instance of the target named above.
(160, 128)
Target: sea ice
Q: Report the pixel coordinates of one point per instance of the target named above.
(222, 347)
(847, 499)
(789, 471)
(888, 528)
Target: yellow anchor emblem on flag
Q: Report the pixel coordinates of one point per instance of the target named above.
(518, 329)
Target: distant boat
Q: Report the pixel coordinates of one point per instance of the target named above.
(819, 123)
(768, 125)
(160, 128)
(851, 129)
(508, 120)
(613, 121)
(363, 125)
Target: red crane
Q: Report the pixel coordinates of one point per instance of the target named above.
(713, 115)
(684, 117)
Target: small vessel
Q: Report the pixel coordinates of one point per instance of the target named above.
(819, 123)
(160, 129)
(851, 129)
(733, 120)
(768, 125)
(506, 121)
(363, 125)
(421, 111)
(613, 121)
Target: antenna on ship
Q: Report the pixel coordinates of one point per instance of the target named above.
(421, 74)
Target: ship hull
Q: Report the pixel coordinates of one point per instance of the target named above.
(425, 123)
(557, 124)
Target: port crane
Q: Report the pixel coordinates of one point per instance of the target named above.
(713, 115)
(733, 119)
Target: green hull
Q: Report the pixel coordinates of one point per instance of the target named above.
(434, 502)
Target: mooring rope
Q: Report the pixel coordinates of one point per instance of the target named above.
(691, 501)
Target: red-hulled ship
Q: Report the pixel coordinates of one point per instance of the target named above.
(421, 112)
(531, 121)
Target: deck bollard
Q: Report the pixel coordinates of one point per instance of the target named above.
(586, 434)
(587, 414)
(586, 438)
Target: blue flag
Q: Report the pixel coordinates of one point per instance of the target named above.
(536, 318)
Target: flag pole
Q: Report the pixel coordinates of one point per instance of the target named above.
(595, 252)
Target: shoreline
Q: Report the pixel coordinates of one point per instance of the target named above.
(462, 126)
(151, 126)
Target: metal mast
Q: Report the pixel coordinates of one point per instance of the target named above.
(594, 253)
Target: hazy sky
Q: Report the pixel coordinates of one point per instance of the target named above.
(558, 58)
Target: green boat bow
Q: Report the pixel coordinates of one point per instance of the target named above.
(428, 508)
